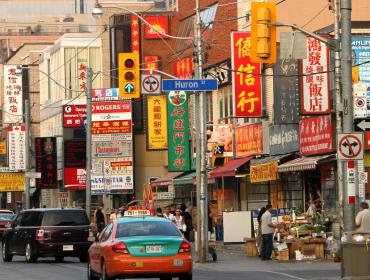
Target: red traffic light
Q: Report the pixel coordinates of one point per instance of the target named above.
(129, 76)
(129, 63)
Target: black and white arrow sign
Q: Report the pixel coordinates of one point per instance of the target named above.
(150, 84)
(364, 125)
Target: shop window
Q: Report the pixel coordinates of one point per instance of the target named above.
(329, 194)
(291, 188)
(258, 195)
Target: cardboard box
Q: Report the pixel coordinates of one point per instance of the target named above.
(282, 255)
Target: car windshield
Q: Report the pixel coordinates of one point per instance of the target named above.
(145, 228)
(65, 218)
(7, 217)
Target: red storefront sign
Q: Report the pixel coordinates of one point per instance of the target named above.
(75, 178)
(107, 107)
(111, 127)
(159, 23)
(135, 38)
(315, 82)
(184, 68)
(74, 115)
(151, 62)
(246, 78)
(249, 140)
(315, 135)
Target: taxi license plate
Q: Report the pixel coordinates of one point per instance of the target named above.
(153, 249)
(67, 247)
(178, 262)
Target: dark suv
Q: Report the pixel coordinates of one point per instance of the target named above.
(47, 233)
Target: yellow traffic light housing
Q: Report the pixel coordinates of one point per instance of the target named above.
(263, 32)
(129, 75)
(218, 157)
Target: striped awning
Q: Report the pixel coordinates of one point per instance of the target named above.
(230, 168)
(304, 163)
(166, 180)
(269, 159)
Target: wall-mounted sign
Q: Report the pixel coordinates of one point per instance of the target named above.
(112, 149)
(46, 162)
(221, 135)
(315, 82)
(17, 147)
(315, 135)
(184, 68)
(360, 54)
(104, 94)
(264, 172)
(135, 36)
(151, 62)
(247, 93)
(284, 139)
(75, 178)
(221, 72)
(13, 96)
(249, 140)
(74, 153)
(12, 182)
(157, 123)
(158, 23)
(74, 115)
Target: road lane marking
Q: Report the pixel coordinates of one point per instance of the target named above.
(284, 274)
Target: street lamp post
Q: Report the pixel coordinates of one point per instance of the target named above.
(88, 140)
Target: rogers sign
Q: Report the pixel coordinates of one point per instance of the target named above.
(111, 107)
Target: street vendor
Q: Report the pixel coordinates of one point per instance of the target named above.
(311, 212)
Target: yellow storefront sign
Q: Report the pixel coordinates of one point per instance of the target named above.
(2, 148)
(264, 172)
(157, 123)
(10, 182)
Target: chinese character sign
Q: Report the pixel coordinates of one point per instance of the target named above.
(82, 76)
(249, 140)
(315, 81)
(315, 135)
(264, 172)
(46, 162)
(184, 68)
(178, 131)
(157, 122)
(13, 106)
(17, 147)
(247, 92)
(151, 62)
(135, 40)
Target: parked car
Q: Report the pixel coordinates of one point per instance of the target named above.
(47, 233)
(6, 218)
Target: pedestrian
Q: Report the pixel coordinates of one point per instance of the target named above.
(259, 230)
(179, 220)
(363, 218)
(187, 220)
(266, 231)
(167, 214)
(173, 209)
(100, 218)
(115, 215)
(123, 210)
(158, 212)
(311, 212)
(210, 221)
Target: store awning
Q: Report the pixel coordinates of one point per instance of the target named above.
(304, 163)
(265, 160)
(166, 179)
(186, 179)
(230, 168)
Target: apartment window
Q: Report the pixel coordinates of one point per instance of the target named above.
(226, 104)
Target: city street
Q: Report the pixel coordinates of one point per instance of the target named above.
(231, 266)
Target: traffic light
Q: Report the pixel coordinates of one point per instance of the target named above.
(218, 157)
(263, 32)
(129, 75)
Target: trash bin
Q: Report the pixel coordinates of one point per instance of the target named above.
(356, 255)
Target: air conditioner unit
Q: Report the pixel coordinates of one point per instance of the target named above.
(172, 5)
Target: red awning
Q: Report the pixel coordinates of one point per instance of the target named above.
(230, 168)
(166, 180)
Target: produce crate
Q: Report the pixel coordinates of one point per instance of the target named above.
(308, 249)
(282, 255)
(251, 247)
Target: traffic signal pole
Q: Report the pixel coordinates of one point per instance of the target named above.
(88, 141)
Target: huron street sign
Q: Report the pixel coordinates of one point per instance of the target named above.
(190, 85)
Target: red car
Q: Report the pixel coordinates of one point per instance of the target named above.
(6, 217)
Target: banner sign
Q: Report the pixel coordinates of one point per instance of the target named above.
(178, 131)
(286, 92)
(12, 182)
(2, 147)
(315, 135)
(135, 37)
(75, 178)
(13, 96)
(221, 136)
(17, 147)
(284, 139)
(74, 115)
(157, 123)
(315, 82)
(158, 23)
(74, 153)
(247, 93)
(151, 62)
(46, 162)
(264, 172)
(249, 140)
(112, 149)
(184, 68)
(361, 54)
(104, 94)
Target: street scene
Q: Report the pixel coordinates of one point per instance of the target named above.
(184, 139)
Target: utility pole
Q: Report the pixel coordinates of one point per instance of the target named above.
(27, 152)
(201, 168)
(88, 141)
(346, 56)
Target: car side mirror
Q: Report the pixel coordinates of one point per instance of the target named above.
(92, 238)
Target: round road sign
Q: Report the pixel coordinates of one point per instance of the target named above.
(350, 146)
(150, 84)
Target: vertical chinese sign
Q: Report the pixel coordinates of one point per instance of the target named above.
(13, 101)
(249, 140)
(135, 39)
(184, 68)
(46, 162)
(247, 94)
(151, 62)
(315, 82)
(17, 147)
(82, 75)
(178, 131)
(157, 122)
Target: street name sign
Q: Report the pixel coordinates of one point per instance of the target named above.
(151, 84)
(190, 85)
(350, 146)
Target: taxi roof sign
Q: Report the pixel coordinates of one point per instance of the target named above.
(137, 213)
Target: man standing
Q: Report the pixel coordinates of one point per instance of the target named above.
(363, 218)
(266, 231)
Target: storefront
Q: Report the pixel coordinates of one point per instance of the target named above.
(163, 189)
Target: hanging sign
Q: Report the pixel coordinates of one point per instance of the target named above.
(157, 123)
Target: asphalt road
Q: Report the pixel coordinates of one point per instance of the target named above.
(229, 267)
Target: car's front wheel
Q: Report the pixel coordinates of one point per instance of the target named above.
(31, 256)
(186, 277)
(104, 275)
(90, 273)
(5, 252)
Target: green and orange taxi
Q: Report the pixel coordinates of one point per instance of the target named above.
(140, 246)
